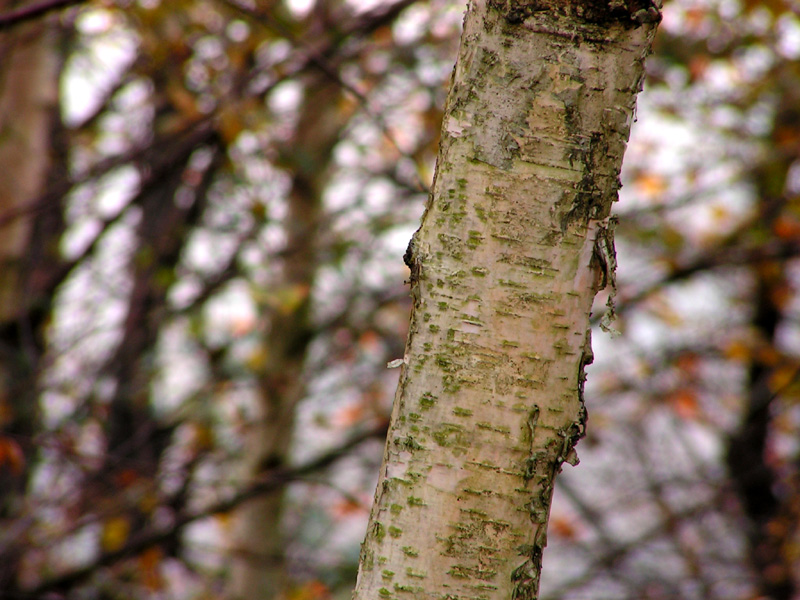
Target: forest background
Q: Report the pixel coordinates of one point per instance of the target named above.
(204, 206)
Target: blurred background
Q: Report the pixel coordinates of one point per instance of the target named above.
(203, 210)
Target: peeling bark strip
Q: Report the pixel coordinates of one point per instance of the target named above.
(514, 243)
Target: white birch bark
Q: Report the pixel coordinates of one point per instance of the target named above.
(514, 243)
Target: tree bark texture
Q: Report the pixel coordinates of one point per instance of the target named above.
(514, 244)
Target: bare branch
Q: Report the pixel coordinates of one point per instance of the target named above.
(271, 481)
(33, 11)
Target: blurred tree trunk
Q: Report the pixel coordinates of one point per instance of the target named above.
(31, 157)
(514, 243)
(258, 561)
(767, 485)
(136, 438)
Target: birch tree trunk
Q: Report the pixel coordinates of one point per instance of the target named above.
(514, 244)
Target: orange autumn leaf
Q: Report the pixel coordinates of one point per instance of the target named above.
(347, 507)
(781, 295)
(224, 520)
(685, 404)
(313, 590)
(126, 477)
(737, 350)
(149, 562)
(383, 35)
(787, 137)
(349, 415)
(241, 326)
(183, 101)
(230, 123)
(695, 17)
(11, 454)
(370, 342)
(698, 65)
(768, 355)
(784, 424)
(688, 362)
(782, 377)
(651, 184)
(786, 228)
(563, 527)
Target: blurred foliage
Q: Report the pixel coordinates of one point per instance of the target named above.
(236, 183)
